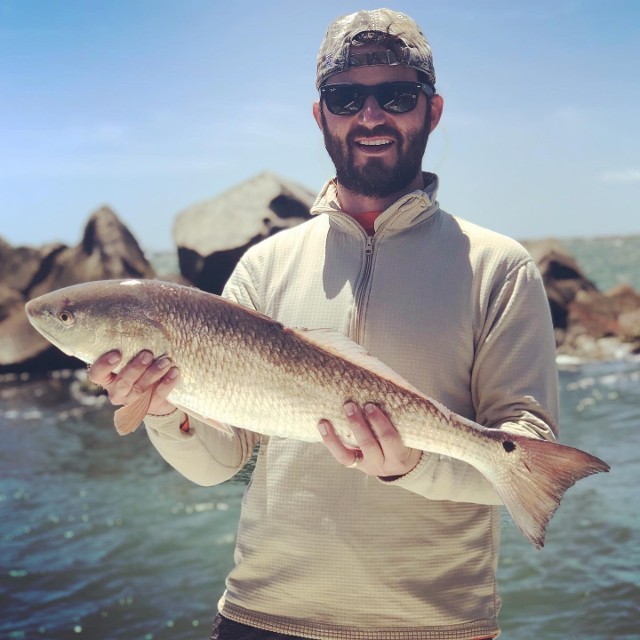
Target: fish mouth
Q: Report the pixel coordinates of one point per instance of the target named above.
(53, 341)
(30, 308)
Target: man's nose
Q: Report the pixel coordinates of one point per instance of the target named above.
(371, 113)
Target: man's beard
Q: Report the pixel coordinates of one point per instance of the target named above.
(375, 178)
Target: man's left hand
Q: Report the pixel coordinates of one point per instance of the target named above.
(380, 451)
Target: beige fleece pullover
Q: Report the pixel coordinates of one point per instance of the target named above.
(460, 312)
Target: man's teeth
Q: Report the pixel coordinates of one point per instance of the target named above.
(374, 143)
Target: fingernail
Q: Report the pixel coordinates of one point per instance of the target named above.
(369, 408)
(173, 374)
(146, 358)
(163, 363)
(322, 428)
(113, 357)
(350, 408)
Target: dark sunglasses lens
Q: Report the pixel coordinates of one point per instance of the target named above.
(397, 97)
(343, 100)
(393, 97)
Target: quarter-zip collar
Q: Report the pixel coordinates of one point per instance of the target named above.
(405, 212)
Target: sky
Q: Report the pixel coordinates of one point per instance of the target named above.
(151, 106)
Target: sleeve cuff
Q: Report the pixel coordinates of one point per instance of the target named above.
(168, 426)
(408, 480)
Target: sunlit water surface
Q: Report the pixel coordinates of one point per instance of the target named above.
(101, 540)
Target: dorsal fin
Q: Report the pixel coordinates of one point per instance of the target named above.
(338, 344)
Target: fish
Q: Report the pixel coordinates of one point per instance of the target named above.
(240, 368)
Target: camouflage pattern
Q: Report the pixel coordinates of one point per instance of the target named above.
(396, 37)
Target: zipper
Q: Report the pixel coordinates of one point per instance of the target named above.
(363, 287)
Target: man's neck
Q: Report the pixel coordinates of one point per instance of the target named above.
(351, 202)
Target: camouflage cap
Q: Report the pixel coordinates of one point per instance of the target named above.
(397, 37)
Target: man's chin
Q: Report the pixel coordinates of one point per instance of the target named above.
(376, 180)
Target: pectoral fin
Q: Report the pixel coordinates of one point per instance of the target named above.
(128, 418)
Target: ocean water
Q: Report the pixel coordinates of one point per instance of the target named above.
(608, 261)
(101, 540)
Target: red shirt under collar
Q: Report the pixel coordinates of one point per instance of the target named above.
(366, 219)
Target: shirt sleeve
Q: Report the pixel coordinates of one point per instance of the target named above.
(514, 385)
(203, 454)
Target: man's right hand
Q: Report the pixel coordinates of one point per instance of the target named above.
(134, 380)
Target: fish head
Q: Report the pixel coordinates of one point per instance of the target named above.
(89, 319)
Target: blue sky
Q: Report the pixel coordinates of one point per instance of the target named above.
(150, 106)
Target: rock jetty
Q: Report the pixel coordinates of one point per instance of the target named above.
(107, 250)
(589, 324)
(211, 236)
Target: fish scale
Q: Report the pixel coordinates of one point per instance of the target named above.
(240, 368)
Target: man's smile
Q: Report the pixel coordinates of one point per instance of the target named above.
(374, 145)
(374, 142)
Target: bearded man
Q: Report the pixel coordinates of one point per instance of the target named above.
(379, 540)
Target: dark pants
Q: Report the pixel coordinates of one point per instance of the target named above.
(225, 629)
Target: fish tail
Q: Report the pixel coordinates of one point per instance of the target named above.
(537, 478)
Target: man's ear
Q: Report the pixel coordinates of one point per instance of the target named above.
(316, 114)
(437, 105)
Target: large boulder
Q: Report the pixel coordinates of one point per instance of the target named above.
(212, 236)
(587, 322)
(562, 276)
(107, 250)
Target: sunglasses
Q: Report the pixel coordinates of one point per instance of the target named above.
(393, 97)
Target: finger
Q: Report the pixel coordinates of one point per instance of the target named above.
(364, 435)
(343, 454)
(159, 403)
(101, 371)
(168, 382)
(386, 434)
(124, 383)
(395, 454)
(152, 374)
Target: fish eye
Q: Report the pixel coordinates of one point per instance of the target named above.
(66, 317)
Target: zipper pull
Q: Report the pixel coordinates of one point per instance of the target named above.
(368, 249)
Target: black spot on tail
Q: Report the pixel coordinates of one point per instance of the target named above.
(508, 445)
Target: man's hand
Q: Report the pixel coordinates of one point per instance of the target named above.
(135, 379)
(380, 451)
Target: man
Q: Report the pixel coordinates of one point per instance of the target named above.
(379, 541)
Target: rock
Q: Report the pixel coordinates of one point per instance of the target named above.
(212, 236)
(629, 325)
(623, 298)
(18, 341)
(562, 277)
(594, 313)
(107, 250)
(20, 267)
(584, 348)
(587, 323)
(610, 319)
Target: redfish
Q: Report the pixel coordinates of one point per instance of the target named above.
(241, 368)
